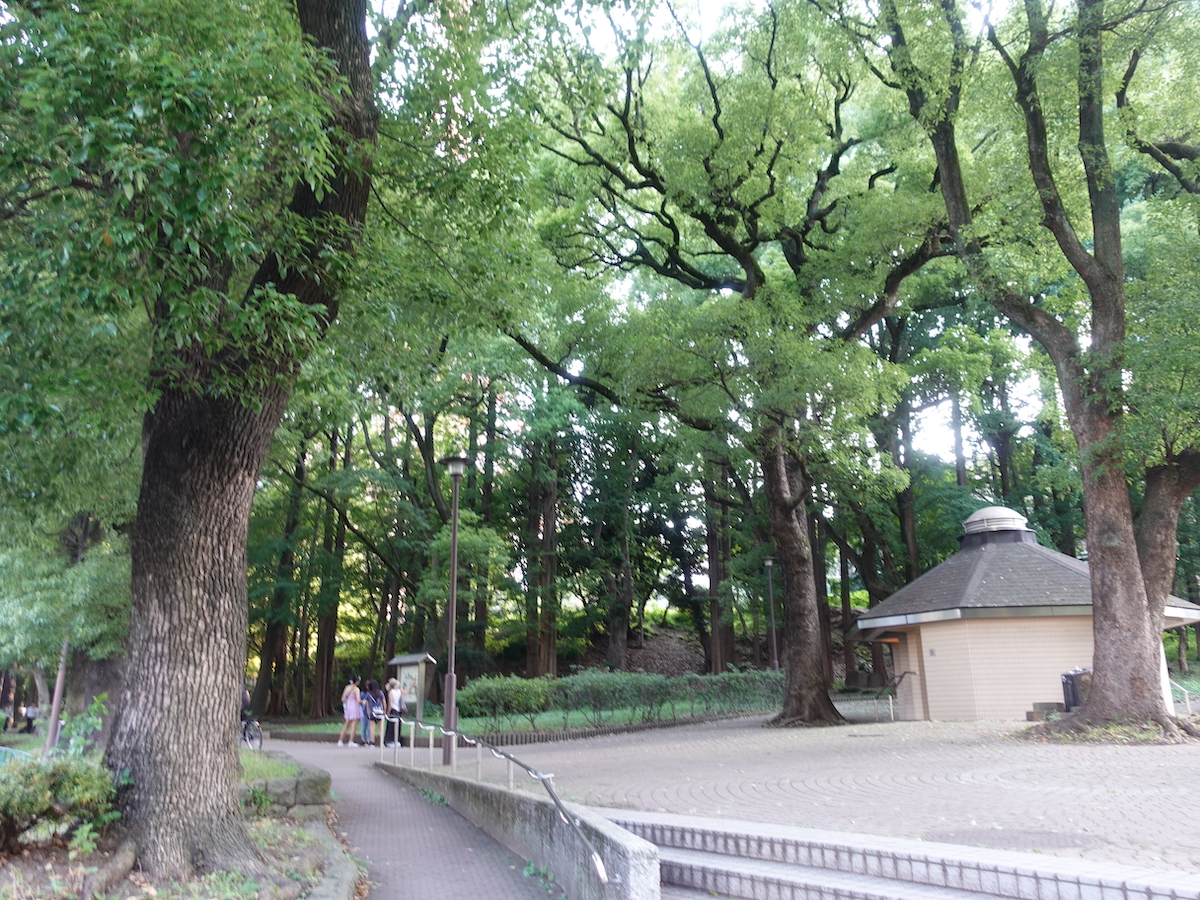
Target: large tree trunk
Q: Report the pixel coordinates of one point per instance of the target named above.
(806, 691)
(175, 724)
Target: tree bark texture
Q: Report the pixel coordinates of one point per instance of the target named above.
(175, 725)
(174, 730)
(806, 688)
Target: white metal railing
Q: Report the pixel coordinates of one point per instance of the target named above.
(545, 779)
(1187, 698)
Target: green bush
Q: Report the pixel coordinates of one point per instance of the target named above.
(598, 695)
(499, 699)
(59, 790)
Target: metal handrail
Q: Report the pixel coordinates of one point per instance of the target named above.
(545, 779)
(1187, 698)
(7, 753)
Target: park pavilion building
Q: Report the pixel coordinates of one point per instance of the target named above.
(990, 632)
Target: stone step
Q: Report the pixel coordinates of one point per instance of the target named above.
(1049, 707)
(755, 879)
(965, 871)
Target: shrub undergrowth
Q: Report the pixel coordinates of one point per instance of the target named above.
(605, 697)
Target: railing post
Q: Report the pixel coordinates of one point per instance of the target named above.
(453, 738)
(510, 774)
(431, 730)
(478, 761)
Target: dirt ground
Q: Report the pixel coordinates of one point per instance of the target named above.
(45, 871)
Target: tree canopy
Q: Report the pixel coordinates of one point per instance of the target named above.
(687, 290)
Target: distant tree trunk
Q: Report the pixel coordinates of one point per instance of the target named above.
(619, 583)
(548, 594)
(956, 424)
(720, 622)
(8, 691)
(393, 591)
(329, 593)
(816, 539)
(905, 498)
(272, 663)
(489, 458)
(620, 593)
(41, 687)
(806, 689)
(533, 561)
(849, 658)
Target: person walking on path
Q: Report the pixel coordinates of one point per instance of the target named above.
(372, 707)
(396, 707)
(351, 711)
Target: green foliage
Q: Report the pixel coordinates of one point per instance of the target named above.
(78, 731)
(148, 148)
(257, 799)
(44, 600)
(497, 699)
(433, 797)
(598, 695)
(59, 790)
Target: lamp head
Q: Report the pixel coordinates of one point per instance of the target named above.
(457, 465)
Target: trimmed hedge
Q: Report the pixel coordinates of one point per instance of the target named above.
(598, 695)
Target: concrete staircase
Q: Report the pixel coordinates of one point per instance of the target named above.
(724, 858)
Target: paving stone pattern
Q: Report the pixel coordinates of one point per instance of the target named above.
(414, 849)
(964, 783)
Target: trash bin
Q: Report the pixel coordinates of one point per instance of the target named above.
(1075, 684)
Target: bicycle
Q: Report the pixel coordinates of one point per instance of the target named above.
(251, 735)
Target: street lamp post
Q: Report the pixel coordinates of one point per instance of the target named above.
(457, 466)
(770, 564)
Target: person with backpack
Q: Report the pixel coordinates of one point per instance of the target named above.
(372, 700)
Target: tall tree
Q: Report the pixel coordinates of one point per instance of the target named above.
(731, 169)
(929, 52)
(205, 171)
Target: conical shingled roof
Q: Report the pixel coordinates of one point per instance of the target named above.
(1000, 570)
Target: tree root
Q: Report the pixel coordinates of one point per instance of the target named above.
(1077, 726)
(102, 880)
(801, 722)
(1188, 727)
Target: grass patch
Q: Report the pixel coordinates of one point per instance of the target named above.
(27, 742)
(1115, 732)
(433, 797)
(258, 766)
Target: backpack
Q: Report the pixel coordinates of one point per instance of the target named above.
(374, 706)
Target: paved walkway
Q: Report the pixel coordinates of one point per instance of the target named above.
(961, 783)
(413, 848)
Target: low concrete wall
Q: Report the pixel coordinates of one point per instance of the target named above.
(531, 827)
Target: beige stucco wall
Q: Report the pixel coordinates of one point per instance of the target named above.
(992, 668)
(911, 704)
